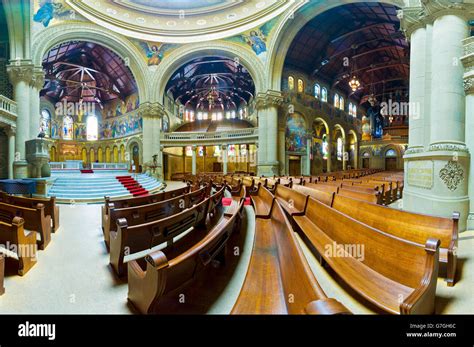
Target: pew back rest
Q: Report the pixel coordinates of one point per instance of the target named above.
(185, 266)
(322, 187)
(372, 198)
(49, 204)
(397, 259)
(149, 235)
(407, 225)
(263, 201)
(294, 200)
(31, 216)
(297, 278)
(323, 196)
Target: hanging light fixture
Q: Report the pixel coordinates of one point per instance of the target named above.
(354, 83)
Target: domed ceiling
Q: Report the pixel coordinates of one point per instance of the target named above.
(180, 21)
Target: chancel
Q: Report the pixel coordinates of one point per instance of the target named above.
(236, 157)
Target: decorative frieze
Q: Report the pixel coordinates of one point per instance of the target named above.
(37, 79)
(448, 147)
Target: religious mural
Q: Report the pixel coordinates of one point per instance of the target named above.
(127, 125)
(48, 12)
(118, 108)
(295, 133)
(153, 52)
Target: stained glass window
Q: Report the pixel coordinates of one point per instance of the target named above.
(336, 100)
(339, 148)
(324, 95)
(45, 125)
(325, 146)
(291, 83)
(341, 103)
(92, 128)
(317, 91)
(300, 86)
(68, 128)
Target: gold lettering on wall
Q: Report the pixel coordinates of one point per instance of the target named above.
(420, 173)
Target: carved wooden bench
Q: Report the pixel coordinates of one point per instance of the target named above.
(22, 242)
(409, 226)
(292, 201)
(138, 201)
(35, 220)
(396, 275)
(128, 240)
(50, 207)
(163, 276)
(279, 279)
(323, 196)
(151, 212)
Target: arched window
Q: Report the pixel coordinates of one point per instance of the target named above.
(341, 103)
(317, 91)
(325, 146)
(291, 83)
(45, 124)
(366, 155)
(350, 109)
(354, 110)
(300, 86)
(336, 100)
(165, 124)
(391, 153)
(92, 128)
(68, 128)
(339, 148)
(324, 95)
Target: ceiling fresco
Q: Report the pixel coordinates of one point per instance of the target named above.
(180, 21)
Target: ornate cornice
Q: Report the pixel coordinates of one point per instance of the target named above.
(11, 131)
(151, 110)
(469, 85)
(20, 70)
(448, 147)
(411, 19)
(268, 99)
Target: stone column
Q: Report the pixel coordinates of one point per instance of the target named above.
(267, 105)
(152, 114)
(436, 170)
(225, 158)
(307, 169)
(468, 62)
(20, 73)
(11, 151)
(36, 85)
(193, 167)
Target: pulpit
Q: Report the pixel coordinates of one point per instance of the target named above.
(37, 155)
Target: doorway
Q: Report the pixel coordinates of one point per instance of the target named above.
(295, 166)
(365, 163)
(390, 164)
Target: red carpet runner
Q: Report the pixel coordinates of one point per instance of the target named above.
(87, 171)
(132, 186)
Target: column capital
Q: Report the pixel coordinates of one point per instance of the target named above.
(468, 62)
(433, 9)
(269, 98)
(411, 19)
(11, 131)
(20, 70)
(151, 110)
(37, 78)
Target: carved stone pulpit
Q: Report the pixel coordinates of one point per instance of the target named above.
(37, 156)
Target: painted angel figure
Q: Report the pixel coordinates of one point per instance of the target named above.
(153, 52)
(49, 9)
(257, 41)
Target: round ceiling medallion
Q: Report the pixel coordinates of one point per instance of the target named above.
(195, 19)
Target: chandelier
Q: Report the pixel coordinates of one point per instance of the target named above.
(354, 83)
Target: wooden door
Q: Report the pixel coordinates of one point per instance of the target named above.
(295, 167)
(390, 164)
(365, 163)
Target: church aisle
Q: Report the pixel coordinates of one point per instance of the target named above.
(72, 276)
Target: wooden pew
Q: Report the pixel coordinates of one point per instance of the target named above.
(151, 212)
(35, 220)
(50, 207)
(164, 276)
(138, 201)
(2, 274)
(249, 183)
(271, 184)
(23, 242)
(322, 187)
(409, 226)
(278, 270)
(262, 201)
(292, 201)
(396, 275)
(372, 198)
(136, 238)
(320, 195)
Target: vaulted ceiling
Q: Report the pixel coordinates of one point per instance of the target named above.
(361, 39)
(78, 70)
(212, 83)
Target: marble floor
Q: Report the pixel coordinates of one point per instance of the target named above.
(73, 275)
